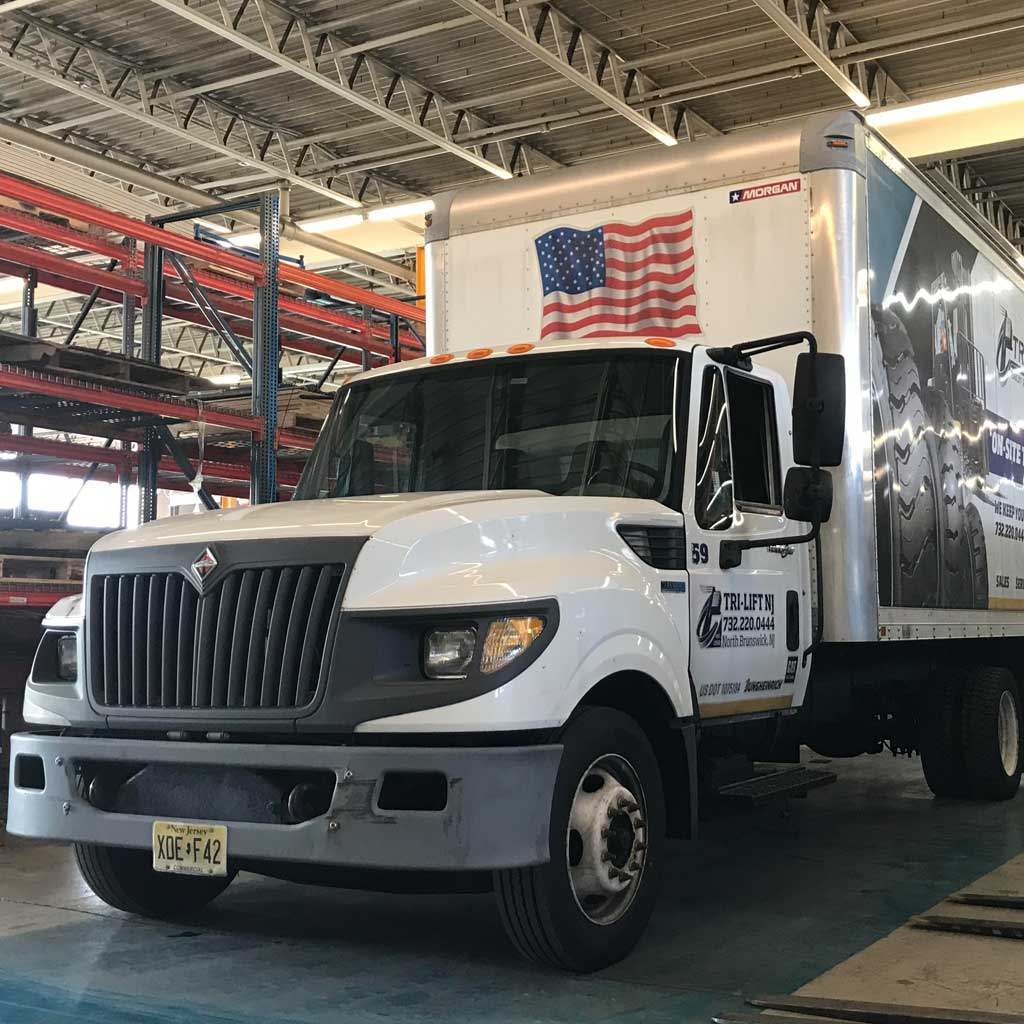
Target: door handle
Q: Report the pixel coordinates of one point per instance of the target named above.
(782, 550)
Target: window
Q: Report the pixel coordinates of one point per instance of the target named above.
(594, 424)
(713, 502)
(757, 482)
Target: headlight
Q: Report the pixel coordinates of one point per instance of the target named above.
(448, 653)
(508, 638)
(67, 657)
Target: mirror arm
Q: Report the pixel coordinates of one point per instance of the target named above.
(730, 552)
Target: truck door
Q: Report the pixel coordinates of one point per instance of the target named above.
(748, 623)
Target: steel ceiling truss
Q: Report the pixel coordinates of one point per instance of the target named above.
(552, 38)
(284, 38)
(834, 36)
(985, 198)
(650, 95)
(810, 35)
(53, 56)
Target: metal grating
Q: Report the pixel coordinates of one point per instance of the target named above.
(258, 639)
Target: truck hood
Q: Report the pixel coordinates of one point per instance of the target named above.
(326, 517)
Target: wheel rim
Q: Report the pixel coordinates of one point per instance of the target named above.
(1009, 733)
(606, 840)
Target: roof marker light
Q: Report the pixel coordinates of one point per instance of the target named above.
(660, 342)
(444, 357)
(518, 350)
(479, 353)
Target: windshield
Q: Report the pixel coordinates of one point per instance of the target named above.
(597, 423)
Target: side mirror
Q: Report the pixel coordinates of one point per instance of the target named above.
(807, 496)
(819, 409)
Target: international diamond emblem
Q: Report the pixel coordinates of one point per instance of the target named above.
(204, 564)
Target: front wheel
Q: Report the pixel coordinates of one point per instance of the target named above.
(588, 906)
(125, 880)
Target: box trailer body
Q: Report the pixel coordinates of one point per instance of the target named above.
(546, 592)
(811, 225)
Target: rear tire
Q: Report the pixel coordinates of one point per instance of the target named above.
(941, 742)
(571, 912)
(992, 735)
(125, 880)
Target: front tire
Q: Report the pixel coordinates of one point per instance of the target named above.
(125, 880)
(588, 906)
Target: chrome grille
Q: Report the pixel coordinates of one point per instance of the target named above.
(256, 639)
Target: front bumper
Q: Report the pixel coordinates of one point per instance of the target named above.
(497, 814)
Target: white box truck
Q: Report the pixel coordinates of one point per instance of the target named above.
(543, 592)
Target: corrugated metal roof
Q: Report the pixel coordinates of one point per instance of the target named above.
(739, 68)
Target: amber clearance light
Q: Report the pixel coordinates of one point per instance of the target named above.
(660, 342)
(444, 357)
(479, 353)
(518, 350)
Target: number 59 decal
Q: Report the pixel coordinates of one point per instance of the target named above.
(699, 553)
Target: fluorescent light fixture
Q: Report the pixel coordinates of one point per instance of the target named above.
(421, 206)
(8, 284)
(226, 379)
(245, 239)
(210, 226)
(318, 225)
(951, 105)
(1020, 260)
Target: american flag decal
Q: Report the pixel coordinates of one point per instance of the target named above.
(619, 279)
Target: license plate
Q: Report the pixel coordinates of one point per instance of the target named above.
(185, 849)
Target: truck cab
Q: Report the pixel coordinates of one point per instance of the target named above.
(494, 618)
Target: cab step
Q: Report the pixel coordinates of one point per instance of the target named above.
(775, 782)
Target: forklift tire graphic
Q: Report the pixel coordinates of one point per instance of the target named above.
(910, 492)
(882, 450)
(957, 580)
(979, 556)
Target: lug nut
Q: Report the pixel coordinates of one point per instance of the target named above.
(605, 857)
(604, 833)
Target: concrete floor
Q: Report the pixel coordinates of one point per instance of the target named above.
(764, 903)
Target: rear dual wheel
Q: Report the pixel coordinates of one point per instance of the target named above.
(971, 735)
(587, 907)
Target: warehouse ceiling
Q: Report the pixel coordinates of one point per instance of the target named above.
(357, 104)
